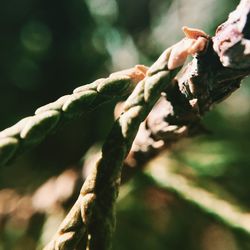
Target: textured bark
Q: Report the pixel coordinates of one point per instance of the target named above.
(208, 79)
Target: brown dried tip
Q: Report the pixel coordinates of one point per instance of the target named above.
(193, 33)
(194, 42)
(137, 73)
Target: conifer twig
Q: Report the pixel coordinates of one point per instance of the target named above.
(93, 212)
(31, 130)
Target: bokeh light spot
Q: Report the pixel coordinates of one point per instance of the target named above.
(36, 37)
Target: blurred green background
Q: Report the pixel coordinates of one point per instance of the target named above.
(47, 48)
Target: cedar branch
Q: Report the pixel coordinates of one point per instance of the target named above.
(93, 212)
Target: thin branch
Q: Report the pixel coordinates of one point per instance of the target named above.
(220, 209)
(93, 212)
(30, 131)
